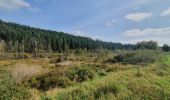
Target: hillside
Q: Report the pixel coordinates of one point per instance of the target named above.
(28, 38)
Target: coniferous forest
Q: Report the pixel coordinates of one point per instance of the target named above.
(25, 38)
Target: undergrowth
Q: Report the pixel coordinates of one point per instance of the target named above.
(9, 90)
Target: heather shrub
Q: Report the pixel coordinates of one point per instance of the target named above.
(78, 74)
(137, 57)
(49, 80)
(9, 90)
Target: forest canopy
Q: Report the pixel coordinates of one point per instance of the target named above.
(21, 37)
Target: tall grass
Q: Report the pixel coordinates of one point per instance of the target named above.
(87, 92)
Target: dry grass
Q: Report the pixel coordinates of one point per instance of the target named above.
(53, 92)
(35, 94)
(69, 63)
(23, 71)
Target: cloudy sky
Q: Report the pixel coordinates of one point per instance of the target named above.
(126, 21)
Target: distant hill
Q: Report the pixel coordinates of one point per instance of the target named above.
(29, 38)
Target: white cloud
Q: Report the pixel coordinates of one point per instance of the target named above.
(85, 34)
(110, 22)
(166, 12)
(148, 31)
(40, 0)
(161, 35)
(11, 5)
(98, 37)
(161, 41)
(79, 33)
(138, 16)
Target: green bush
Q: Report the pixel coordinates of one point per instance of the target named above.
(9, 90)
(137, 57)
(79, 74)
(49, 80)
(102, 73)
(61, 79)
(113, 60)
(151, 45)
(166, 48)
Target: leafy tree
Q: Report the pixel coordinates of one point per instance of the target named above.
(166, 48)
(34, 43)
(147, 45)
(16, 45)
(23, 48)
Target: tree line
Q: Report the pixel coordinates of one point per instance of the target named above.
(29, 39)
(25, 39)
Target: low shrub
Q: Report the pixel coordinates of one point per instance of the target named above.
(78, 74)
(61, 79)
(113, 60)
(102, 73)
(111, 69)
(137, 57)
(49, 80)
(9, 90)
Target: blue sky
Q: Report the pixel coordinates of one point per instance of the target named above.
(126, 21)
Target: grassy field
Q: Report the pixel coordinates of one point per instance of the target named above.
(85, 78)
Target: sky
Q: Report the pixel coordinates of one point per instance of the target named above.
(125, 21)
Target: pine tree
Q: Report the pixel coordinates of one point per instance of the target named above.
(34, 47)
(2, 49)
(16, 45)
(166, 48)
(23, 48)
